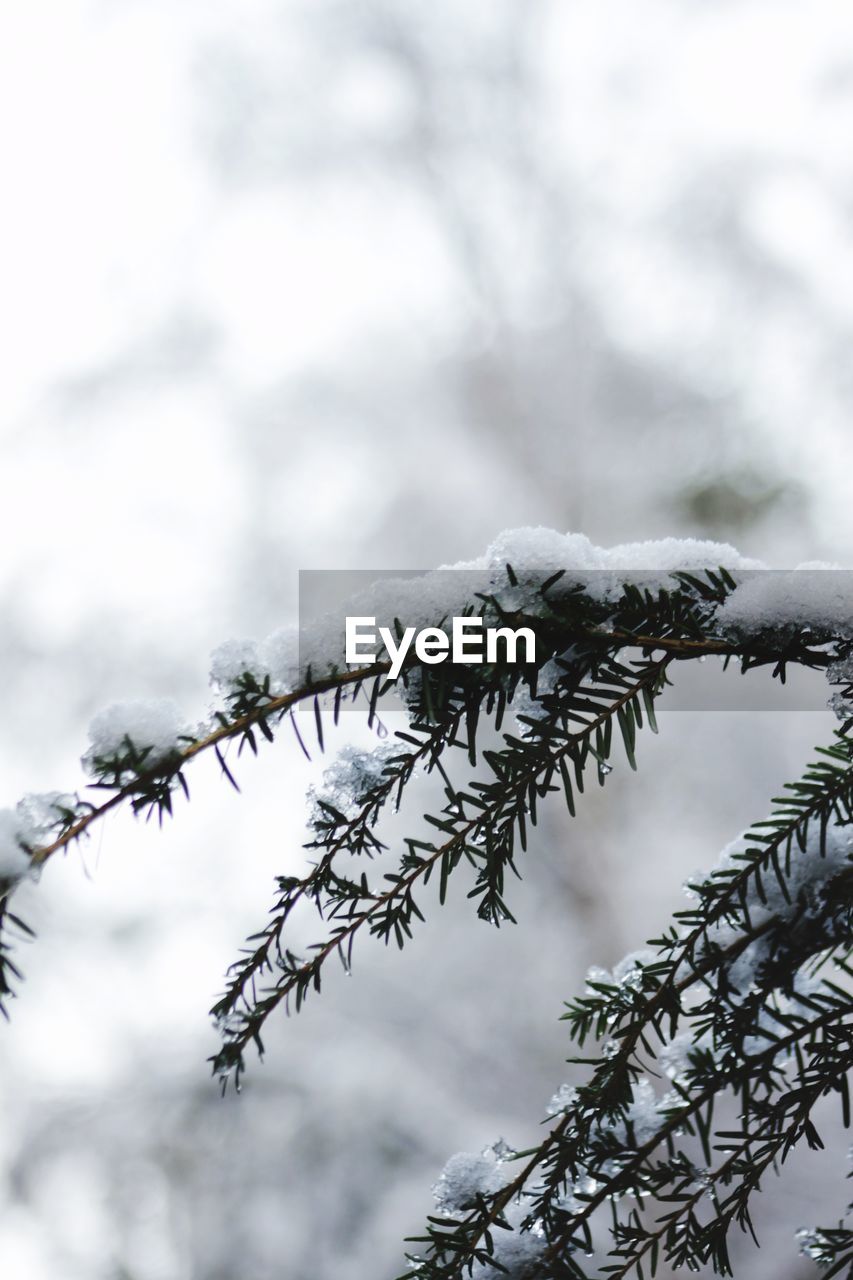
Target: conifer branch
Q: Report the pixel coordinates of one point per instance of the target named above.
(733, 969)
(241, 1027)
(270, 709)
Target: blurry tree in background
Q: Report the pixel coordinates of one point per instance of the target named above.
(605, 268)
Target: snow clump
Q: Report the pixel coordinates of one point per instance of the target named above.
(14, 859)
(31, 825)
(153, 726)
(275, 659)
(467, 1176)
(350, 778)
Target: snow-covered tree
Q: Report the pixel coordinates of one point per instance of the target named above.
(713, 1046)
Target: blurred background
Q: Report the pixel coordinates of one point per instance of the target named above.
(357, 285)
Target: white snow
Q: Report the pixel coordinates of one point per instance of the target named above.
(516, 1251)
(32, 824)
(279, 656)
(537, 548)
(465, 1176)
(601, 570)
(40, 814)
(819, 601)
(842, 707)
(809, 596)
(674, 1057)
(430, 599)
(841, 673)
(810, 871)
(627, 973)
(767, 1024)
(275, 658)
(563, 1100)
(233, 659)
(350, 777)
(812, 1243)
(643, 1114)
(14, 861)
(525, 704)
(156, 725)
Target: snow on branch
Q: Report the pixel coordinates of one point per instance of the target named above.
(746, 994)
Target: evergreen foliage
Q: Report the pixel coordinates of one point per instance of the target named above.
(743, 1002)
